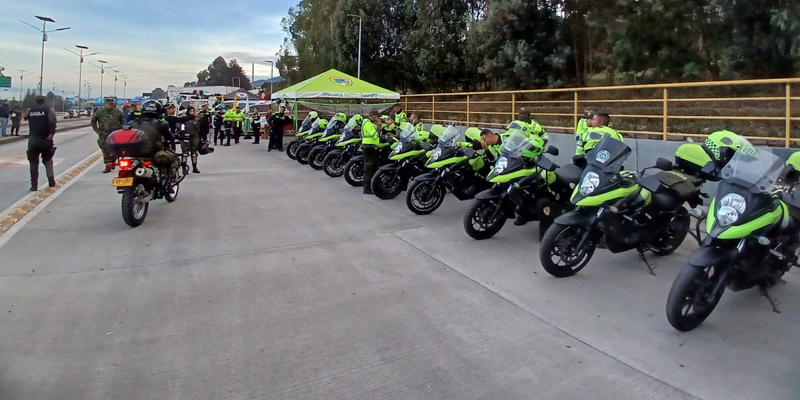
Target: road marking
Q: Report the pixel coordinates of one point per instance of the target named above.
(21, 212)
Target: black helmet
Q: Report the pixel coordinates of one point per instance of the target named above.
(151, 108)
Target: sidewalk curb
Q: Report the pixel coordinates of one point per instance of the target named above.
(21, 137)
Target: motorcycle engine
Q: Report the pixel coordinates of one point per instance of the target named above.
(622, 233)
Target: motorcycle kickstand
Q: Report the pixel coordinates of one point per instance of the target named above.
(642, 257)
(773, 303)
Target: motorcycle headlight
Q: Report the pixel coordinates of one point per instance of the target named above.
(500, 165)
(436, 154)
(590, 182)
(397, 148)
(730, 207)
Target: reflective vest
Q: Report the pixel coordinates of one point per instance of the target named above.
(400, 117)
(369, 134)
(592, 136)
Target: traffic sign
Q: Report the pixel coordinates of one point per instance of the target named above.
(5, 81)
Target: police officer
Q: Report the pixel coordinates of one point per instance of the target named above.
(194, 133)
(256, 124)
(535, 127)
(133, 113)
(42, 123)
(583, 126)
(205, 122)
(370, 134)
(238, 121)
(276, 123)
(598, 128)
(416, 120)
(158, 134)
(218, 133)
(105, 121)
(399, 114)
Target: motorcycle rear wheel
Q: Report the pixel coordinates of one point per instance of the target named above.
(689, 302)
(424, 197)
(332, 165)
(386, 185)
(134, 208)
(558, 242)
(475, 220)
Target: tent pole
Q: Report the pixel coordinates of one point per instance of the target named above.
(295, 116)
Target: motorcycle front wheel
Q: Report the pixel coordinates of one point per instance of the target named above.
(691, 299)
(386, 185)
(333, 166)
(134, 205)
(302, 154)
(291, 149)
(354, 173)
(424, 197)
(478, 221)
(316, 158)
(558, 254)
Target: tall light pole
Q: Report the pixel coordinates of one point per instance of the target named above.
(271, 77)
(80, 69)
(102, 67)
(22, 75)
(115, 82)
(44, 32)
(124, 87)
(359, 42)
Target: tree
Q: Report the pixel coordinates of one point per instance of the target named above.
(158, 94)
(190, 84)
(222, 73)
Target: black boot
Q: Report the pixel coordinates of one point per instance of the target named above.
(194, 169)
(51, 181)
(520, 220)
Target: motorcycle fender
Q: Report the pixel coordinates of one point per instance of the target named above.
(390, 167)
(358, 158)
(581, 219)
(491, 194)
(336, 152)
(704, 257)
(301, 145)
(430, 176)
(319, 147)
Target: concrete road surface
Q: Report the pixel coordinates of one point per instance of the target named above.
(266, 279)
(73, 146)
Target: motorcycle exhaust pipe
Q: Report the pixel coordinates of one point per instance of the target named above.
(144, 172)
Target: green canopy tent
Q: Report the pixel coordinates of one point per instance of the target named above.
(334, 91)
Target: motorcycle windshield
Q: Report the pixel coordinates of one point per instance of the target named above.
(753, 168)
(609, 155)
(450, 137)
(332, 128)
(515, 144)
(407, 135)
(350, 125)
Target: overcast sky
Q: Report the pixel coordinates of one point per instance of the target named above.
(154, 43)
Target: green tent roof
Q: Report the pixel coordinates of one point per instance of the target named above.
(335, 84)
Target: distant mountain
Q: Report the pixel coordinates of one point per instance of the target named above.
(260, 82)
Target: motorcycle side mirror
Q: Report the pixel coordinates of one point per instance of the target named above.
(552, 150)
(664, 164)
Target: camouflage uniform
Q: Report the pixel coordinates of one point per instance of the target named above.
(104, 122)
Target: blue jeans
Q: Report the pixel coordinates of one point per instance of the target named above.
(3, 126)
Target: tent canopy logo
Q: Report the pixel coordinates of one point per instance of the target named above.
(342, 81)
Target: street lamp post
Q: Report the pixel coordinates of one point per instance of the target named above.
(44, 32)
(359, 42)
(115, 82)
(271, 76)
(102, 67)
(80, 69)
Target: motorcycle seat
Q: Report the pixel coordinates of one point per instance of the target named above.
(567, 174)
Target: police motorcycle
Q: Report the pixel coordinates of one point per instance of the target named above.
(752, 236)
(318, 129)
(346, 147)
(620, 210)
(456, 167)
(327, 142)
(525, 183)
(354, 169)
(304, 129)
(139, 179)
(407, 160)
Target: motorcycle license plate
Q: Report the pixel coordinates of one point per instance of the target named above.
(122, 182)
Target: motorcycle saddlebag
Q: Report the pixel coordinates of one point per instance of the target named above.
(127, 143)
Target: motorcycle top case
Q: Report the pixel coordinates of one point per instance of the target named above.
(127, 143)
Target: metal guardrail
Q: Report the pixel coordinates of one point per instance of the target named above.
(666, 104)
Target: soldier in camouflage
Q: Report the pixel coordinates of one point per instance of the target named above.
(105, 121)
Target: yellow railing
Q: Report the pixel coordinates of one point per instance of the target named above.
(758, 109)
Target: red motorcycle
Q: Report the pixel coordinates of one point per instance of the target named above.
(140, 180)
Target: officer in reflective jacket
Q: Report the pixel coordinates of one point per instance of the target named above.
(399, 114)
(370, 139)
(599, 128)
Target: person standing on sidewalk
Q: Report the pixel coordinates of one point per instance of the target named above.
(370, 133)
(16, 120)
(105, 121)
(42, 122)
(276, 123)
(5, 114)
